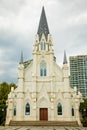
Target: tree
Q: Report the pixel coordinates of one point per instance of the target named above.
(83, 108)
(5, 89)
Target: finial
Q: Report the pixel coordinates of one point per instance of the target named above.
(65, 59)
(21, 59)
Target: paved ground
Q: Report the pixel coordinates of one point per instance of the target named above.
(40, 128)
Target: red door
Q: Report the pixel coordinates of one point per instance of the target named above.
(44, 114)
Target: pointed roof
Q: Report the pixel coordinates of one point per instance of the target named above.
(65, 58)
(43, 26)
(21, 59)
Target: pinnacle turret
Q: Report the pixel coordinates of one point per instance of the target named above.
(65, 58)
(21, 59)
(43, 26)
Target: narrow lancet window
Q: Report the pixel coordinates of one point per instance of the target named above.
(43, 71)
(27, 109)
(72, 111)
(15, 111)
(43, 46)
(59, 109)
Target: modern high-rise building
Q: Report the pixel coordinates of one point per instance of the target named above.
(78, 73)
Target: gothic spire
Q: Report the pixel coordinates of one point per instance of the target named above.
(65, 58)
(43, 26)
(21, 59)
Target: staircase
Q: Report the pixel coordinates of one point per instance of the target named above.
(44, 123)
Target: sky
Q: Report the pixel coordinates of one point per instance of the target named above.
(19, 20)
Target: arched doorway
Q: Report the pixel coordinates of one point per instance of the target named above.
(43, 109)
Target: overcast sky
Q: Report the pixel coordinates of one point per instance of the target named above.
(19, 19)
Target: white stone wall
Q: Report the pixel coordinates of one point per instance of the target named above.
(43, 92)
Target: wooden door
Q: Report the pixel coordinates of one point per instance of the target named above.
(44, 114)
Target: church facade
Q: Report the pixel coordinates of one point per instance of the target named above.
(43, 91)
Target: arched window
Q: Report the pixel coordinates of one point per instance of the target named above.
(72, 111)
(59, 109)
(43, 71)
(27, 109)
(43, 46)
(15, 111)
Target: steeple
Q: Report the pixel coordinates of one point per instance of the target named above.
(43, 26)
(21, 59)
(65, 59)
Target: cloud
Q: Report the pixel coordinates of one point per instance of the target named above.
(19, 19)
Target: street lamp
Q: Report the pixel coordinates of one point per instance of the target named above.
(2, 109)
(84, 113)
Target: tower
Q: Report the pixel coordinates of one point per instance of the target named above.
(43, 49)
(65, 69)
(78, 73)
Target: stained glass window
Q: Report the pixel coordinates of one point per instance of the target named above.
(59, 109)
(15, 111)
(43, 71)
(43, 46)
(72, 111)
(27, 109)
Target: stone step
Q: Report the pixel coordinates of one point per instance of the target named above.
(43, 123)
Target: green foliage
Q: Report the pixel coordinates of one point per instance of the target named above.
(83, 110)
(83, 105)
(5, 89)
(84, 122)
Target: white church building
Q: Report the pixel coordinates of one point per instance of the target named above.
(43, 92)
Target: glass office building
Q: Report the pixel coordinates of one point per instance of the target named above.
(78, 73)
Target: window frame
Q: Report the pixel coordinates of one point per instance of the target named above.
(27, 109)
(43, 69)
(72, 110)
(14, 111)
(59, 109)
